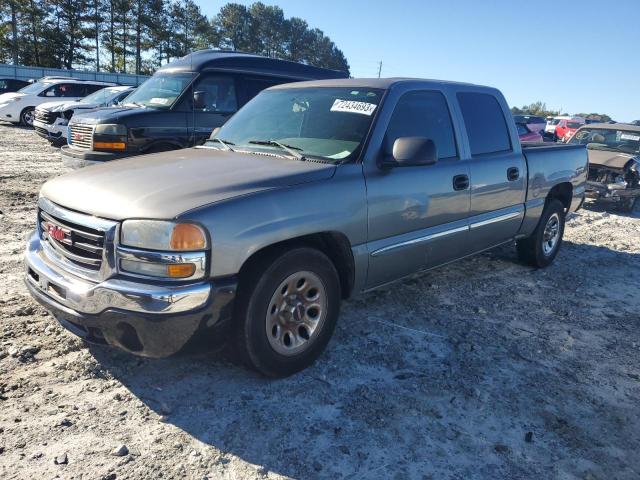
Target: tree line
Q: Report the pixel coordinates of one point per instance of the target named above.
(138, 36)
(540, 109)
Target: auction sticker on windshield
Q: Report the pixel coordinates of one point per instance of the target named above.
(629, 136)
(159, 100)
(352, 106)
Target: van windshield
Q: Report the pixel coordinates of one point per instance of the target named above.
(160, 91)
(329, 123)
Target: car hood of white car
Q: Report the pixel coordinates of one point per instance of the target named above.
(62, 105)
(9, 96)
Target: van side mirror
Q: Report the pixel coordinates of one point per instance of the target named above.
(411, 152)
(199, 100)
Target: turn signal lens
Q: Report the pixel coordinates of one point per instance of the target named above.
(181, 270)
(186, 236)
(110, 145)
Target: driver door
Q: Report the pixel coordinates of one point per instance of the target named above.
(214, 101)
(417, 214)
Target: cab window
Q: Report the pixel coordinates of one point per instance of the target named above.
(423, 114)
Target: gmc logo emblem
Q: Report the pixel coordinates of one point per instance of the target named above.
(56, 233)
(78, 136)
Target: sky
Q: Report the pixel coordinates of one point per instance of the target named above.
(578, 56)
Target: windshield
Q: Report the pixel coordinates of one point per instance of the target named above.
(101, 96)
(161, 90)
(34, 88)
(574, 124)
(556, 121)
(330, 123)
(608, 139)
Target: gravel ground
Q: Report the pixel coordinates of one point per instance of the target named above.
(484, 369)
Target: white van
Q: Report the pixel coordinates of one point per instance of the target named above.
(19, 107)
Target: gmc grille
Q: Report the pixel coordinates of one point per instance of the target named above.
(81, 136)
(79, 244)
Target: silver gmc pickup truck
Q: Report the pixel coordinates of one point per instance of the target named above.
(309, 194)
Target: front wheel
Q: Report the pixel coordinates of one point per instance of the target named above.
(541, 248)
(27, 116)
(287, 309)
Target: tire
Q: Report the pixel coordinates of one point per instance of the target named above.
(539, 250)
(632, 205)
(262, 324)
(26, 116)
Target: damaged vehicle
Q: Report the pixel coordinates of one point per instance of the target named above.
(614, 163)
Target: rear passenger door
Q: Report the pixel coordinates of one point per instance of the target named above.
(497, 171)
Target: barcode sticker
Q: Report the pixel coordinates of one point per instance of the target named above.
(352, 106)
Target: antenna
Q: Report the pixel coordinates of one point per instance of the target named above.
(379, 68)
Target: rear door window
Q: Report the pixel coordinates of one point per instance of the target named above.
(254, 86)
(485, 123)
(423, 114)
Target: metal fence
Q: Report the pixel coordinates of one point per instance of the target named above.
(27, 73)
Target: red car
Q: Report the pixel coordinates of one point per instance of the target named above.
(526, 134)
(570, 129)
(565, 126)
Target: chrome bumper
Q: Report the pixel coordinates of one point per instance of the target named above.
(94, 298)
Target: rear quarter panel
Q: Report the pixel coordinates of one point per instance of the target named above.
(548, 166)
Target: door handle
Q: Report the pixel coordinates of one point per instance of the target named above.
(513, 174)
(460, 182)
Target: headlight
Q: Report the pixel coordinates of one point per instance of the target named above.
(111, 129)
(163, 235)
(162, 249)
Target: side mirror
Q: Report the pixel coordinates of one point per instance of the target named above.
(412, 152)
(199, 100)
(214, 133)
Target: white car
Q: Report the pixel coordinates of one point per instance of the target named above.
(51, 118)
(19, 107)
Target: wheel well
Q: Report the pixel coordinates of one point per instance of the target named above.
(563, 192)
(334, 245)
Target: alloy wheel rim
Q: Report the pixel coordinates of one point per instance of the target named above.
(551, 234)
(28, 117)
(296, 313)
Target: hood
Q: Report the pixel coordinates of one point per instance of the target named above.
(609, 158)
(109, 114)
(165, 185)
(58, 106)
(8, 96)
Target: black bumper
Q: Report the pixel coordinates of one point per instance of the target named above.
(76, 155)
(147, 335)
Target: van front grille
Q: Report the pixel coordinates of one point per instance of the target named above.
(79, 244)
(81, 136)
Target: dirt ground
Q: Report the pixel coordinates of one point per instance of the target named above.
(485, 369)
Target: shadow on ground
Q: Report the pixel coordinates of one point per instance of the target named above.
(484, 369)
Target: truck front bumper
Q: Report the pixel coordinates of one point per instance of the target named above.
(151, 320)
(76, 158)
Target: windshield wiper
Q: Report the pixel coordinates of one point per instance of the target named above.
(224, 143)
(289, 148)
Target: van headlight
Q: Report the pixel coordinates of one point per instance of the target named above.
(110, 129)
(163, 249)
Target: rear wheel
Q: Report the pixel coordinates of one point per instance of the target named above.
(27, 116)
(287, 309)
(541, 248)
